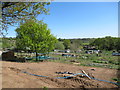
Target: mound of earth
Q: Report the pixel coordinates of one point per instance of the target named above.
(12, 77)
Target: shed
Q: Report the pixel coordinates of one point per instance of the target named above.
(7, 55)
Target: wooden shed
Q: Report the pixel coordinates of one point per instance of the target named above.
(8, 55)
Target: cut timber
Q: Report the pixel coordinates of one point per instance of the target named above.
(86, 74)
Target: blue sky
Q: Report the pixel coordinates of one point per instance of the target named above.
(81, 19)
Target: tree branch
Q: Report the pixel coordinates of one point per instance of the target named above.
(7, 4)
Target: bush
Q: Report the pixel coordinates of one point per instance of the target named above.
(106, 62)
(117, 63)
(111, 62)
(116, 79)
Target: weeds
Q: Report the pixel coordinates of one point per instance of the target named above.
(45, 88)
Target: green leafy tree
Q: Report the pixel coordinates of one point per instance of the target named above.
(107, 43)
(8, 43)
(35, 36)
(59, 45)
(5, 43)
(59, 39)
(117, 44)
(13, 13)
(66, 43)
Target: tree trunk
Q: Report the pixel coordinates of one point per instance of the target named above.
(36, 56)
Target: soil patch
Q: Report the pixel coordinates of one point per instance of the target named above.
(14, 78)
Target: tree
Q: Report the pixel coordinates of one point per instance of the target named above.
(59, 45)
(107, 43)
(16, 12)
(66, 43)
(8, 43)
(75, 44)
(117, 44)
(35, 36)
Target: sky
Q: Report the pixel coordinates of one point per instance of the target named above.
(80, 19)
(86, 0)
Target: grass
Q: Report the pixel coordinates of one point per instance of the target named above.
(104, 60)
(45, 88)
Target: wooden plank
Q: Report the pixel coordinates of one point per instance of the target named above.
(86, 74)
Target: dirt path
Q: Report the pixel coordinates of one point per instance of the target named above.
(13, 78)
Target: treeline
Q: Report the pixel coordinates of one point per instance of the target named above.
(72, 44)
(107, 43)
(62, 44)
(7, 42)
